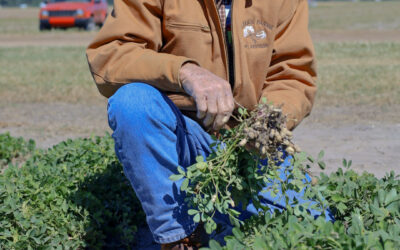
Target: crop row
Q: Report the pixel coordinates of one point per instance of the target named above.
(75, 196)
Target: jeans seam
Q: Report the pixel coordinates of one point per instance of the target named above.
(199, 148)
(173, 238)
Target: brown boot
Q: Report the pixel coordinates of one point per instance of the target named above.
(197, 239)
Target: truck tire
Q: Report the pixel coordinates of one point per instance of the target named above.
(43, 27)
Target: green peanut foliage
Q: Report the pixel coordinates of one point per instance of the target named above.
(75, 196)
(72, 196)
(367, 212)
(12, 148)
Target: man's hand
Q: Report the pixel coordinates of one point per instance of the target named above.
(212, 94)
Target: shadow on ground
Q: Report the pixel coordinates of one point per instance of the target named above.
(114, 211)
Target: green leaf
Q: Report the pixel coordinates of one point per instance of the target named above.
(196, 218)
(214, 245)
(237, 233)
(199, 158)
(233, 212)
(181, 171)
(349, 163)
(210, 206)
(321, 154)
(192, 211)
(259, 244)
(376, 211)
(210, 226)
(338, 198)
(322, 165)
(391, 196)
(176, 177)
(184, 184)
(201, 165)
(381, 196)
(357, 224)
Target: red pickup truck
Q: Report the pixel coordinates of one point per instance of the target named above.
(73, 13)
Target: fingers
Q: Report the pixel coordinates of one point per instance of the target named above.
(224, 112)
(201, 104)
(212, 110)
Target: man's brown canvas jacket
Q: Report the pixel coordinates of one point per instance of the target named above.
(149, 40)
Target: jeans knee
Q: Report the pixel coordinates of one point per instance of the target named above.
(136, 103)
(133, 94)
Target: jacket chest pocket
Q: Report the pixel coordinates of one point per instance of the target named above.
(188, 26)
(192, 40)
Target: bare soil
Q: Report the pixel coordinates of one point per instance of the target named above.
(369, 136)
(47, 38)
(51, 123)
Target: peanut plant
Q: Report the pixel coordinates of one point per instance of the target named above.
(367, 210)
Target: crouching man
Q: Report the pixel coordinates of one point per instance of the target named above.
(174, 70)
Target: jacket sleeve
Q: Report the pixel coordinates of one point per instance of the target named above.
(126, 49)
(291, 76)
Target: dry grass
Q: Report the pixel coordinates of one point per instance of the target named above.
(358, 73)
(21, 21)
(355, 16)
(349, 74)
(39, 74)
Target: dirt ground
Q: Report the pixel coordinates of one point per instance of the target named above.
(370, 137)
(47, 39)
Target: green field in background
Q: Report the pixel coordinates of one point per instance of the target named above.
(349, 74)
(45, 74)
(358, 73)
(355, 16)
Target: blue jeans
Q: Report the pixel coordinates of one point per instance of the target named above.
(152, 138)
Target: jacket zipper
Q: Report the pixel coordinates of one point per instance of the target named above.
(233, 49)
(224, 40)
(186, 26)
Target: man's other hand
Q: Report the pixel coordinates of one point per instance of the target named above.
(212, 94)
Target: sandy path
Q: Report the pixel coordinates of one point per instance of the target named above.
(47, 39)
(371, 144)
(342, 133)
(52, 123)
